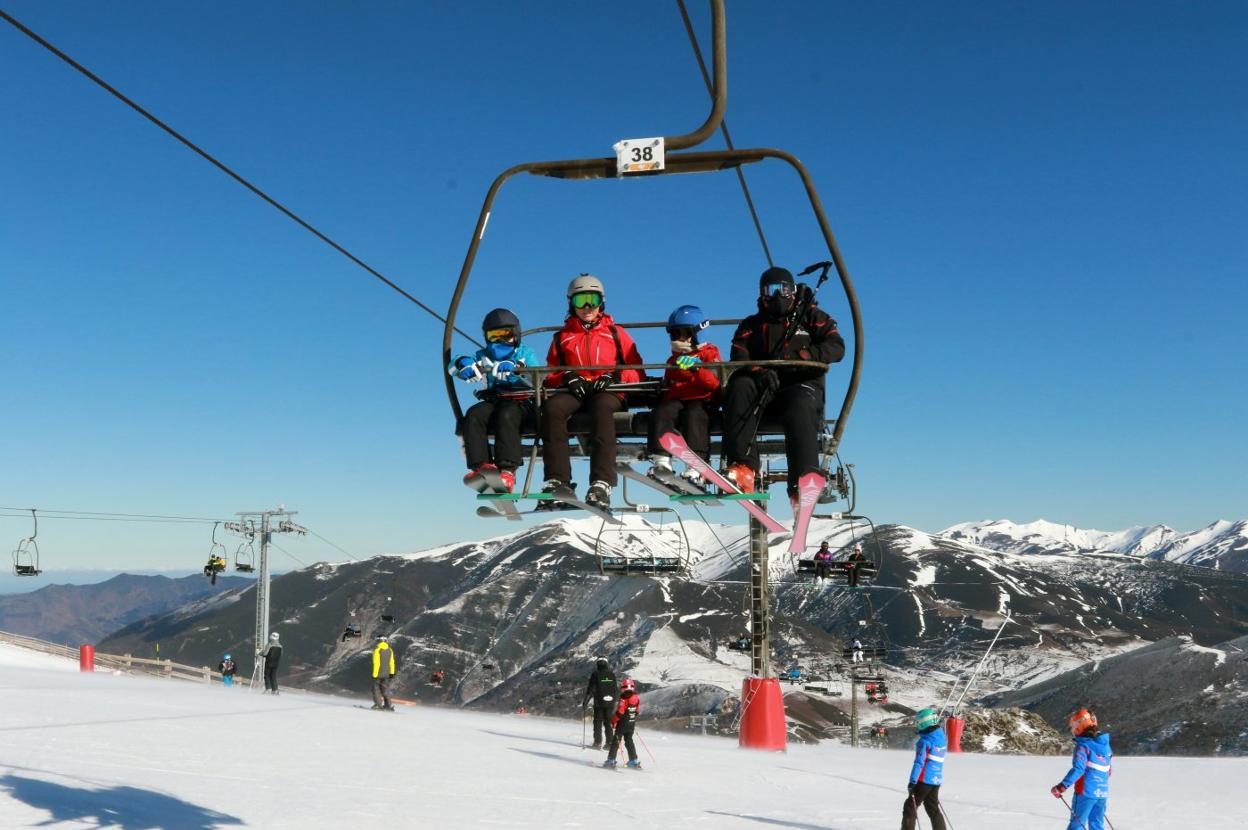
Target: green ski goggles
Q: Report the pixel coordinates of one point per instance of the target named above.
(581, 299)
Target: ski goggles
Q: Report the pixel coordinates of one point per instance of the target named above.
(681, 332)
(581, 299)
(784, 289)
(506, 335)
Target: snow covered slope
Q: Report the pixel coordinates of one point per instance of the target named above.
(102, 751)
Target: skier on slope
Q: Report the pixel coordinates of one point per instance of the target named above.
(624, 721)
(689, 393)
(228, 668)
(589, 337)
(505, 403)
(272, 655)
(1090, 768)
(603, 691)
(927, 772)
(794, 396)
(383, 673)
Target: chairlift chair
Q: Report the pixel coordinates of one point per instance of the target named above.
(632, 424)
(26, 554)
(245, 557)
(645, 549)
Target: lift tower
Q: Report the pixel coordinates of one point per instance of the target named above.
(263, 523)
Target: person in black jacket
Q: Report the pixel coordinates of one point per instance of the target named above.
(793, 395)
(603, 691)
(272, 655)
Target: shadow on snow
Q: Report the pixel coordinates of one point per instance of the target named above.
(127, 808)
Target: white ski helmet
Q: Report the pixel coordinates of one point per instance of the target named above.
(273, 636)
(586, 282)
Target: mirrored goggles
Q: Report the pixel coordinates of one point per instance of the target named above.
(784, 289)
(586, 298)
(506, 335)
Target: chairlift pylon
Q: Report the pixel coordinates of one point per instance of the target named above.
(26, 554)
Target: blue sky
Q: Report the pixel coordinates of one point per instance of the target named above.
(1042, 207)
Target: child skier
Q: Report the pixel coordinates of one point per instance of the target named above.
(1090, 768)
(228, 669)
(624, 723)
(927, 773)
(505, 402)
(689, 391)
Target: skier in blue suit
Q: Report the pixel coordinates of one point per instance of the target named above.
(1090, 768)
(927, 773)
(505, 404)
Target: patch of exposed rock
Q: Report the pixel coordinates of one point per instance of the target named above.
(1011, 732)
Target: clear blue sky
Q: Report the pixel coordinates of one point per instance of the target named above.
(1042, 205)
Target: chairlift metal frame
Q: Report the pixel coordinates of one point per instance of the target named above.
(618, 562)
(26, 554)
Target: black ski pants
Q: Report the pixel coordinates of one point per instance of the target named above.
(691, 418)
(505, 418)
(799, 406)
(270, 678)
(557, 457)
(928, 796)
(625, 734)
(381, 691)
(602, 724)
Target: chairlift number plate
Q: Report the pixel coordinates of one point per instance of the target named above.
(639, 155)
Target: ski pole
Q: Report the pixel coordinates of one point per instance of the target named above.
(1072, 811)
(948, 823)
(914, 805)
(584, 710)
(647, 749)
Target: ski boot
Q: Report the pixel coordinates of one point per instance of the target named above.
(609, 763)
(376, 707)
(599, 495)
(660, 464)
(551, 486)
(634, 764)
(742, 477)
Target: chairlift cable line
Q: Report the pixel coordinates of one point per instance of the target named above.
(221, 166)
(88, 514)
(723, 128)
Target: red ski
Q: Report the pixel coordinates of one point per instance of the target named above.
(809, 487)
(677, 447)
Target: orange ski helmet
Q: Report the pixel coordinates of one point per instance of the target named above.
(1080, 721)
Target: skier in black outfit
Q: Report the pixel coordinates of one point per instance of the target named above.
(794, 395)
(602, 689)
(272, 655)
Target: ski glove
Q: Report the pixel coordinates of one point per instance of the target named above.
(687, 361)
(1058, 790)
(466, 369)
(768, 381)
(503, 368)
(578, 386)
(910, 788)
(603, 382)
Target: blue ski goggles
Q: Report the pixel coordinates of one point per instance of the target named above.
(784, 289)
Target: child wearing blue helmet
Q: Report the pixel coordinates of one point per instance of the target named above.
(228, 669)
(927, 772)
(689, 391)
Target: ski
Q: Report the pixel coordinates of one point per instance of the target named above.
(684, 486)
(568, 496)
(508, 510)
(661, 482)
(676, 445)
(809, 487)
(372, 708)
(489, 482)
(627, 471)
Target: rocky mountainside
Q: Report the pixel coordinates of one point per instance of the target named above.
(77, 614)
(1172, 697)
(1222, 545)
(520, 617)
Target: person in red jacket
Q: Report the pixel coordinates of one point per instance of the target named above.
(689, 389)
(624, 722)
(589, 337)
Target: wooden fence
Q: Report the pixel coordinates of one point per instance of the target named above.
(125, 663)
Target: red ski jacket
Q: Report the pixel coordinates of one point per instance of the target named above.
(602, 344)
(696, 384)
(627, 711)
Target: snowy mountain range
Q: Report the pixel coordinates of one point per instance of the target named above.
(1222, 545)
(520, 617)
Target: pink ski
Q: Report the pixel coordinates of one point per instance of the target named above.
(809, 487)
(676, 445)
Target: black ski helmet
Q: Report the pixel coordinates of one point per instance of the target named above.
(774, 275)
(776, 305)
(502, 318)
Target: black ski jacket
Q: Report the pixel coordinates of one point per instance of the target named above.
(602, 689)
(227, 668)
(272, 655)
(814, 338)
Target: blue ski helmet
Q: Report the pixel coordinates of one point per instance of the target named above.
(688, 316)
(227, 656)
(926, 718)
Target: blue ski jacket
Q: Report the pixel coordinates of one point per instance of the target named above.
(929, 758)
(1090, 766)
(492, 352)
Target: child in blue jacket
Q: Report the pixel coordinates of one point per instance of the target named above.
(1090, 768)
(927, 773)
(505, 404)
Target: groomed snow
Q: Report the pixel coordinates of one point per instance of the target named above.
(91, 751)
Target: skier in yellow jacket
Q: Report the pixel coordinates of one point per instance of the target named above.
(383, 673)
